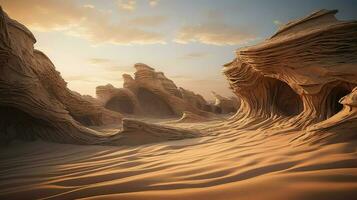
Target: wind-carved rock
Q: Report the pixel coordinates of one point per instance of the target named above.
(295, 79)
(121, 100)
(224, 105)
(36, 103)
(151, 93)
(34, 99)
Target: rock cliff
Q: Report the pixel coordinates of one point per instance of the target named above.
(34, 99)
(302, 78)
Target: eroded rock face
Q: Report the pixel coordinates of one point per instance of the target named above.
(37, 103)
(298, 76)
(121, 100)
(152, 94)
(224, 105)
(34, 97)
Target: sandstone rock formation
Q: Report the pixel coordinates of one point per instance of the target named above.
(34, 99)
(37, 103)
(121, 100)
(152, 94)
(296, 79)
(225, 105)
(303, 78)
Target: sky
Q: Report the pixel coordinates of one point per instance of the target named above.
(93, 42)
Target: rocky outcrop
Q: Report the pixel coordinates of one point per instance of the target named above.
(195, 99)
(152, 94)
(295, 79)
(34, 97)
(224, 105)
(121, 100)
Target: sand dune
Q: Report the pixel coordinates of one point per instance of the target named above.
(244, 165)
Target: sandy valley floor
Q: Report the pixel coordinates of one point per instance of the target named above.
(224, 165)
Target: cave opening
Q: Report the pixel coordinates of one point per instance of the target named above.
(15, 123)
(153, 105)
(333, 98)
(285, 99)
(122, 104)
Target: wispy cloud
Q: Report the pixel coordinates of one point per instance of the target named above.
(82, 78)
(88, 6)
(128, 5)
(131, 5)
(110, 65)
(96, 61)
(83, 21)
(153, 3)
(148, 20)
(194, 55)
(215, 33)
(277, 22)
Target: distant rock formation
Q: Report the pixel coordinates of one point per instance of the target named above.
(189, 117)
(224, 105)
(121, 100)
(152, 94)
(301, 78)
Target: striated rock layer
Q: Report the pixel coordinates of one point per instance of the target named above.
(34, 97)
(295, 80)
(151, 93)
(36, 103)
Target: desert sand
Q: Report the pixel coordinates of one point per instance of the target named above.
(227, 165)
(294, 135)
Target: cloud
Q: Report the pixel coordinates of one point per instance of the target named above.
(194, 55)
(277, 22)
(110, 65)
(215, 33)
(148, 20)
(78, 20)
(128, 5)
(88, 6)
(131, 5)
(83, 78)
(97, 61)
(153, 3)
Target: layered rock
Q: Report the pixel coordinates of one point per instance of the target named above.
(151, 93)
(34, 99)
(298, 76)
(224, 105)
(195, 99)
(121, 100)
(37, 103)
